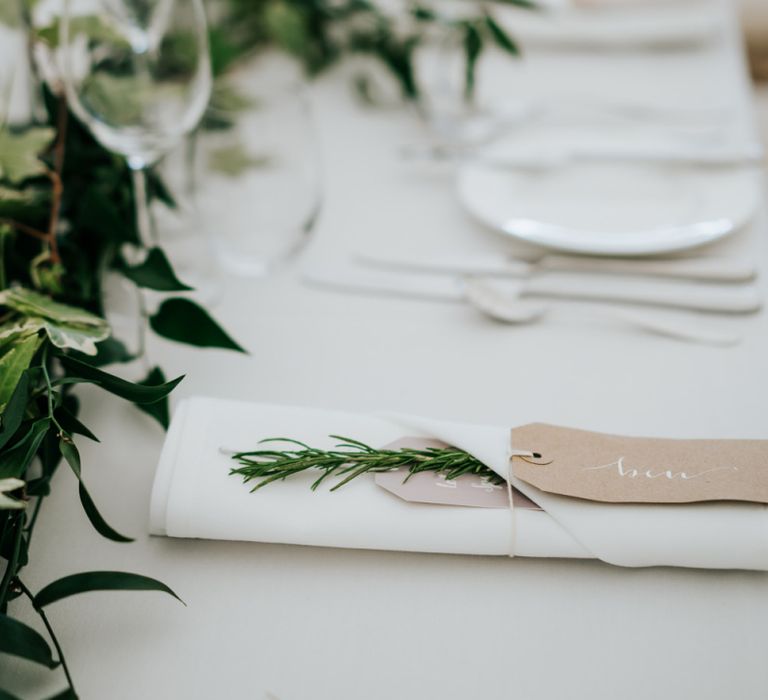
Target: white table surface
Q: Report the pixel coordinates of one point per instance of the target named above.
(269, 621)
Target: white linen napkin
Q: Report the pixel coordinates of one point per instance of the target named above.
(194, 496)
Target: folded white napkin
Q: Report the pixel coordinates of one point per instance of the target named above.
(194, 496)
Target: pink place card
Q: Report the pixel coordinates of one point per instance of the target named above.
(430, 487)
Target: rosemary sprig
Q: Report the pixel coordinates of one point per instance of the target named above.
(350, 459)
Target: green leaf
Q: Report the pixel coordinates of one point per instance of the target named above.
(155, 273)
(15, 330)
(39, 487)
(473, 47)
(14, 410)
(187, 322)
(524, 4)
(20, 640)
(19, 153)
(100, 525)
(159, 409)
(108, 351)
(82, 339)
(13, 363)
(98, 581)
(501, 37)
(34, 304)
(93, 26)
(14, 461)
(5, 695)
(71, 424)
(7, 486)
(20, 204)
(228, 99)
(68, 327)
(138, 393)
(72, 457)
(66, 694)
(234, 160)
(224, 51)
(287, 26)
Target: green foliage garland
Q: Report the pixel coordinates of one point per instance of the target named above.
(67, 215)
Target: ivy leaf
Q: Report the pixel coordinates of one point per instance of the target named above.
(501, 37)
(525, 4)
(98, 581)
(93, 26)
(34, 304)
(100, 525)
(224, 51)
(159, 409)
(21, 640)
(473, 47)
(14, 411)
(72, 457)
(66, 694)
(19, 153)
(234, 160)
(423, 14)
(71, 424)
(8, 502)
(137, 393)
(108, 351)
(287, 26)
(14, 461)
(79, 338)
(14, 330)
(22, 203)
(66, 326)
(13, 363)
(155, 273)
(5, 695)
(39, 487)
(186, 322)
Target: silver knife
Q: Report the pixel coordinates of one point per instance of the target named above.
(690, 296)
(702, 269)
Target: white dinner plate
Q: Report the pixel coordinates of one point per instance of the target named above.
(621, 25)
(612, 209)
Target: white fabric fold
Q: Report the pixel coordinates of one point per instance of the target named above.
(195, 496)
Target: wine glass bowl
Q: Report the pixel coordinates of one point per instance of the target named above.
(136, 72)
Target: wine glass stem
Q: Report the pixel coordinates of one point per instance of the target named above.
(147, 236)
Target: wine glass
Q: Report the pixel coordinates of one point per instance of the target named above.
(259, 182)
(138, 74)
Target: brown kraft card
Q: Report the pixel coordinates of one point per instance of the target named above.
(617, 469)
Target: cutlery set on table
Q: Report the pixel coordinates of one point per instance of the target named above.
(669, 297)
(621, 195)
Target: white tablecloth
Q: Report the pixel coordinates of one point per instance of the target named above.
(271, 621)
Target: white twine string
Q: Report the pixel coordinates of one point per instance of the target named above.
(512, 517)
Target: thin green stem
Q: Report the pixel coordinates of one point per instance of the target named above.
(51, 633)
(31, 525)
(49, 389)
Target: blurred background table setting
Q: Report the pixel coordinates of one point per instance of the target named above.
(488, 212)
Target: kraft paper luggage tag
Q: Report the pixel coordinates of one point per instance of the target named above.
(618, 469)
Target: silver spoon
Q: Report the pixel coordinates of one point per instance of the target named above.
(496, 305)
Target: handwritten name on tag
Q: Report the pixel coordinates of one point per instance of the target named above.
(430, 487)
(617, 469)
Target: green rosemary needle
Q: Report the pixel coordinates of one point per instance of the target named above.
(350, 459)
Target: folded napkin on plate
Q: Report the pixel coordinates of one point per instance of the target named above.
(195, 496)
